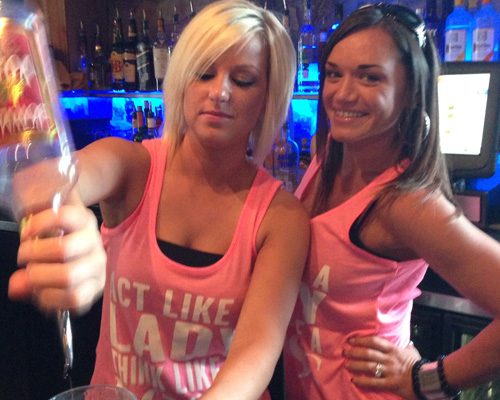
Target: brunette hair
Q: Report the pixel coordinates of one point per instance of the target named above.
(418, 136)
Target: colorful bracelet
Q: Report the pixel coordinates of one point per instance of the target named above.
(450, 391)
(416, 379)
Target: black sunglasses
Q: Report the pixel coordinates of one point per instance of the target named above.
(402, 15)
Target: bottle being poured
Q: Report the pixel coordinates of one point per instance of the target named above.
(37, 167)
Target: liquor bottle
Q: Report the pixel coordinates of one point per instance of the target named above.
(145, 69)
(160, 51)
(98, 63)
(307, 74)
(286, 160)
(129, 55)
(83, 58)
(175, 32)
(458, 33)
(150, 125)
(338, 15)
(486, 34)
(134, 120)
(138, 129)
(434, 26)
(158, 119)
(116, 57)
(147, 108)
(192, 11)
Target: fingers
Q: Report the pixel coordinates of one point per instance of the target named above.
(372, 342)
(378, 364)
(65, 271)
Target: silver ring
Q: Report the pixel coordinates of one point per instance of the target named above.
(379, 370)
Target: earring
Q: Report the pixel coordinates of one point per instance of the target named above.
(427, 124)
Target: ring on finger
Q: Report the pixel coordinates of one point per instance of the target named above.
(379, 370)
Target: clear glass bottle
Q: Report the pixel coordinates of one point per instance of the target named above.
(307, 50)
(486, 34)
(98, 63)
(116, 56)
(83, 59)
(130, 55)
(175, 32)
(285, 160)
(435, 26)
(160, 51)
(145, 69)
(458, 33)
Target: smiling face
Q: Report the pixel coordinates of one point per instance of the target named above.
(364, 88)
(224, 104)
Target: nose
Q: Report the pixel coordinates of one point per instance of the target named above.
(345, 89)
(220, 90)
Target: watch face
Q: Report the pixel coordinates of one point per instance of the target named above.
(429, 379)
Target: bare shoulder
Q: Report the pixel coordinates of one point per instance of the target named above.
(286, 217)
(110, 169)
(430, 225)
(112, 147)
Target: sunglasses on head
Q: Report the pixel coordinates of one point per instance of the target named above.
(404, 16)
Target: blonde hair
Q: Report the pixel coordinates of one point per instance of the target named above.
(217, 28)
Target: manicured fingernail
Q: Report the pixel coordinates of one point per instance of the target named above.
(24, 225)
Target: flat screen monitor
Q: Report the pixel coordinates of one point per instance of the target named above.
(469, 122)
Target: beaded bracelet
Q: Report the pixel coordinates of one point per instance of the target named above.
(415, 378)
(449, 390)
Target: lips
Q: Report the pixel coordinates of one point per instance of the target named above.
(216, 114)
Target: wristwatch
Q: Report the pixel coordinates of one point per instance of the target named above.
(432, 382)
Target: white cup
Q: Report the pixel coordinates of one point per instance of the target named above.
(95, 392)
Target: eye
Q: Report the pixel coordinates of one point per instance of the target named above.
(331, 73)
(370, 78)
(243, 81)
(206, 76)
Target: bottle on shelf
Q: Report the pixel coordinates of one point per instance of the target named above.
(192, 11)
(158, 119)
(83, 58)
(434, 25)
(98, 63)
(307, 49)
(145, 69)
(160, 51)
(322, 36)
(486, 34)
(116, 57)
(138, 127)
(285, 159)
(175, 32)
(328, 26)
(146, 109)
(150, 125)
(458, 33)
(338, 15)
(130, 56)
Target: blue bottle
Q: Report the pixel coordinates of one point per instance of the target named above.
(458, 33)
(435, 26)
(486, 35)
(307, 52)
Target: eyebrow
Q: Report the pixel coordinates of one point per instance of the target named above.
(361, 66)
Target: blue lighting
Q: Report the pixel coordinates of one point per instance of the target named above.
(94, 115)
(304, 116)
(486, 184)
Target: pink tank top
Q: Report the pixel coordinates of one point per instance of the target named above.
(346, 291)
(166, 328)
